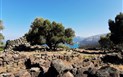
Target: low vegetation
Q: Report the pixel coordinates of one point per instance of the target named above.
(1, 36)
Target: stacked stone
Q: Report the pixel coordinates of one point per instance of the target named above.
(10, 44)
(12, 61)
(39, 65)
(23, 44)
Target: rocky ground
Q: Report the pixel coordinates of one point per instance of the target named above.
(72, 63)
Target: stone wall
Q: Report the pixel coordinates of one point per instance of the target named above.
(11, 44)
(19, 64)
(21, 44)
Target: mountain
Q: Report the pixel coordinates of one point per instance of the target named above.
(77, 39)
(90, 42)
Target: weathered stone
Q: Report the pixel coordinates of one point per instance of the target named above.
(111, 57)
(1, 63)
(6, 59)
(107, 72)
(81, 72)
(35, 69)
(45, 69)
(60, 66)
(4, 63)
(9, 68)
(67, 74)
(34, 74)
(23, 73)
(6, 75)
(11, 44)
(74, 71)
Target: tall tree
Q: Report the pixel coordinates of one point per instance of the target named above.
(49, 33)
(116, 28)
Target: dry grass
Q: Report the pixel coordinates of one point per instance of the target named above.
(2, 69)
(49, 53)
(119, 67)
(79, 58)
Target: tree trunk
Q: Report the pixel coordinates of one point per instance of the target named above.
(52, 46)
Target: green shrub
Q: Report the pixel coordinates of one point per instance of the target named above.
(63, 46)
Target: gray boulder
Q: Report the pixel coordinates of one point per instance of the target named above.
(60, 66)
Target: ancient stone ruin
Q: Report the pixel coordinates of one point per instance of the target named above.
(72, 63)
(11, 44)
(21, 44)
(15, 64)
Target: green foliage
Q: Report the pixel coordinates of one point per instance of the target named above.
(49, 33)
(1, 35)
(1, 49)
(69, 33)
(105, 42)
(116, 28)
(1, 25)
(63, 46)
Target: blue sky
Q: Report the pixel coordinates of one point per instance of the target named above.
(86, 17)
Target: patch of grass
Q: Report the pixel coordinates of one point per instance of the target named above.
(1, 49)
(88, 56)
(63, 46)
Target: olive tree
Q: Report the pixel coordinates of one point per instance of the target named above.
(49, 33)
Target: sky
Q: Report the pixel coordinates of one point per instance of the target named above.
(85, 17)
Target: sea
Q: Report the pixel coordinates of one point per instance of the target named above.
(74, 45)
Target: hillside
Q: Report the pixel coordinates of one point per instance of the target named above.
(91, 41)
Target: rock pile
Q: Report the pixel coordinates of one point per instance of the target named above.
(109, 58)
(11, 44)
(22, 44)
(15, 64)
